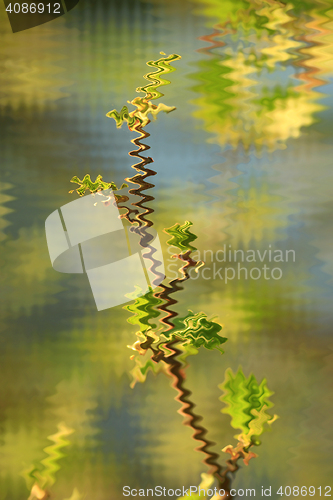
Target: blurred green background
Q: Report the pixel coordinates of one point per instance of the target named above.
(246, 157)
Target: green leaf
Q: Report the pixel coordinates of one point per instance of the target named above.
(143, 309)
(181, 236)
(199, 331)
(247, 402)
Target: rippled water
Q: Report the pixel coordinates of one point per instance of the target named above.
(246, 158)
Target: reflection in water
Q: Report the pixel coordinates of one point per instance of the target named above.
(181, 239)
(250, 96)
(247, 402)
(261, 85)
(166, 349)
(137, 120)
(42, 480)
(86, 184)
